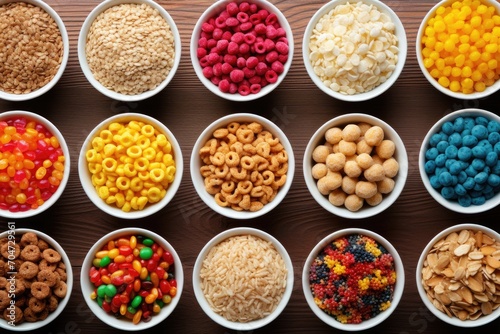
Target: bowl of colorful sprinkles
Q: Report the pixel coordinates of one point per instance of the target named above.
(459, 163)
(457, 48)
(34, 164)
(242, 50)
(458, 275)
(132, 279)
(130, 165)
(243, 278)
(353, 279)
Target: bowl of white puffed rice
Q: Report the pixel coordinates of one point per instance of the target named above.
(129, 57)
(354, 50)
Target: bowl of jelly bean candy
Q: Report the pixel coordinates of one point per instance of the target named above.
(34, 164)
(132, 279)
(242, 50)
(458, 161)
(457, 48)
(130, 165)
(353, 279)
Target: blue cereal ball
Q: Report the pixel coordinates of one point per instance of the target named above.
(480, 200)
(448, 192)
(469, 140)
(489, 195)
(430, 166)
(494, 137)
(447, 128)
(458, 124)
(465, 201)
(455, 168)
(496, 148)
(487, 189)
(451, 152)
(486, 145)
(480, 120)
(479, 188)
(479, 152)
(491, 159)
(440, 170)
(431, 153)
(446, 179)
(493, 180)
(442, 145)
(464, 153)
(469, 123)
(478, 164)
(440, 160)
(455, 139)
(480, 132)
(496, 169)
(471, 171)
(435, 139)
(448, 163)
(469, 183)
(460, 190)
(493, 126)
(462, 177)
(481, 178)
(434, 180)
(465, 132)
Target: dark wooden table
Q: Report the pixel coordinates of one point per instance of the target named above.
(411, 106)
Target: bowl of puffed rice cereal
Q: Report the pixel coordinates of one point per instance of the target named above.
(32, 59)
(243, 278)
(458, 274)
(36, 277)
(355, 166)
(354, 50)
(129, 57)
(130, 165)
(242, 165)
(242, 50)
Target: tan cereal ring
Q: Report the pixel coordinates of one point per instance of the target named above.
(51, 255)
(277, 148)
(237, 147)
(27, 283)
(272, 141)
(36, 305)
(221, 133)
(52, 303)
(228, 186)
(233, 127)
(245, 202)
(31, 253)
(30, 316)
(258, 140)
(256, 206)
(231, 139)
(244, 187)
(207, 170)
(282, 156)
(232, 159)
(4, 300)
(247, 162)
(238, 174)
(42, 315)
(206, 160)
(217, 159)
(42, 245)
(17, 312)
(221, 171)
(60, 289)
(3, 241)
(28, 270)
(256, 178)
(236, 207)
(263, 149)
(44, 264)
(234, 198)
(8, 255)
(221, 200)
(257, 191)
(279, 181)
(28, 238)
(2, 268)
(274, 165)
(282, 170)
(19, 286)
(250, 149)
(211, 187)
(223, 147)
(255, 127)
(260, 162)
(3, 283)
(48, 277)
(63, 275)
(245, 136)
(268, 177)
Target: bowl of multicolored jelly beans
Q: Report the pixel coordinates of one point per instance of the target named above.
(459, 163)
(353, 279)
(34, 164)
(132, 279)
(242, 50)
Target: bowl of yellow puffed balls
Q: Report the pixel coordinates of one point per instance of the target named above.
(355, 166)
(130, 165)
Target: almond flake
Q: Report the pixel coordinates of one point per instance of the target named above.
(463, 236)
(476, 255)
(462, 250)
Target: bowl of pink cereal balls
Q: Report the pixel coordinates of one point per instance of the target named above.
(355, 166)
(241, 50)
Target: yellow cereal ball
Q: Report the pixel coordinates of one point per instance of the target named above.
(352, 169)
(349, 184)
(364, 160)
(374, 173)
(363, 147)
(386, 185)
(351, 132)
(320, 153)
(386, 149)
(363, 127)
(347, 148)
(353, 203)
(335, 161)
(375, 200)
(319, 170)
(391, 167)
(377, 159)
(374, 135)
(333, 135)
(337, 197)
(329, 182)
(366, 189)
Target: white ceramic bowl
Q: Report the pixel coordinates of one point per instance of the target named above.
(318, 138)
(196, 163)
(212, 11)
(421, 290)
(88, 287)
(452, 204)
(65, 55)
(255, 324)
(402, 45)
(85, 175)
(458, 95)
(398, 289)
(82, 40)
(30, 116)
(13, 231)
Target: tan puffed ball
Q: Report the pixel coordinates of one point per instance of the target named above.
(391, 167)
(386, 149)
(351, 132)
(349, 184)
(347, 148)
(363, 127)
(353, 203)
(386, 185)
(363, 147)
(374, 135)
(319, 170)
(374, 173)
(337, 197)
(352, 169)
(377, 159)
(335, 148)
(320, 153)
(333, 135)
(364, 160)
(335, 161)
(329, 182)
(366, 189)
(375, 200)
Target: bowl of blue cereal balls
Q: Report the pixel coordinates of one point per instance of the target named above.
(459, 163)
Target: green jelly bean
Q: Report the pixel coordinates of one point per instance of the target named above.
(148, 242)
(160, 303)
(101, 291)
(145, 253)
(105, 261)
(110, 290)
(99, 301)
(131, 310)
(136, 302)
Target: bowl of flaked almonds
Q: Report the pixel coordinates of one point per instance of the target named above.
(458, 275)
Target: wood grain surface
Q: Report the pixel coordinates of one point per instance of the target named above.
(411, 106)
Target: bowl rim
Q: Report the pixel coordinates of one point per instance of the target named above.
(65, 56)
(82, 59)
(380, 89)
(473, 96)
(421, 291)
(216, 7)
(252, 325)
(398, 290)
(86, 285)
(366, 211)
(150, 209)
(454, 206)
(67, 163)
(195, 164)
(28, 326)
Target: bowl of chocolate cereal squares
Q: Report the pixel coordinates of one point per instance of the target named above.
(129, 51)
(34, 49)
